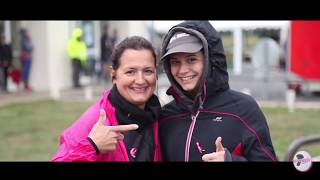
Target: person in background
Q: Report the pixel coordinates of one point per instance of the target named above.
(5, 63)
(26, 57)
(114, 38)
(106, 50)
(77, 51)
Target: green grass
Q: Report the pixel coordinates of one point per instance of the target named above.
(30, 131)
(285, 127)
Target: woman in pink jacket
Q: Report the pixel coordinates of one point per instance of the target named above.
(122, 125)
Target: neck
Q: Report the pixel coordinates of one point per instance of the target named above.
(193, 93)
(141, 106)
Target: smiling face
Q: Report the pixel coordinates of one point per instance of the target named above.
(135, 77)
(187, 68)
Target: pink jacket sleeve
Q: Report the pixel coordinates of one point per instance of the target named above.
(74, 145)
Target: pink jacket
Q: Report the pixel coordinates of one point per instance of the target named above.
(74, 145)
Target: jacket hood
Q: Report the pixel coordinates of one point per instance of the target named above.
(76, 33)
(215, 76)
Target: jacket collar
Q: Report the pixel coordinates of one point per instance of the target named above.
(132, 113)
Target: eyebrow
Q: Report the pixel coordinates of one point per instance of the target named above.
(148, 67)
(186, 56)
(190, 55)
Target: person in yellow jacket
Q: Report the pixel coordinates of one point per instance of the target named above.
(77, 51)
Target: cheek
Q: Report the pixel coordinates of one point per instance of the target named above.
(174, 71)
(200, 67)
(152, 81)
(121, 81)
(197, 70)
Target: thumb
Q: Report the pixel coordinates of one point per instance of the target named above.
(219, 146)
(102, 117)
(100, 122)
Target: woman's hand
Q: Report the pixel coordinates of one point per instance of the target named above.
(106, 137)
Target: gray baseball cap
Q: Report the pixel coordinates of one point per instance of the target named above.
(183, 42)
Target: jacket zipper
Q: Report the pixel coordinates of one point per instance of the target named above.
(193, 122)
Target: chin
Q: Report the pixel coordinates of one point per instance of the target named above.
(140, 100)
(188, 88)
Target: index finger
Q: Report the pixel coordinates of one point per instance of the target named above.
(123, 128)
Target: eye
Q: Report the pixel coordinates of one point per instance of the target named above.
(174, 61)
(192, 60)
(130, 72)
(149, 72)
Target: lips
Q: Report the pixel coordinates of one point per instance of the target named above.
(139, 89)
(186, 78)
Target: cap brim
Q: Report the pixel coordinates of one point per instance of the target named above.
(183, 48)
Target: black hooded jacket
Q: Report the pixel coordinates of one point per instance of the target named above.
(189, 128)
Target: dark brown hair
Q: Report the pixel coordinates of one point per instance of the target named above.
(133, 42)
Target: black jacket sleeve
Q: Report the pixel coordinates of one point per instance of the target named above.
(257, 143)
(231, 157)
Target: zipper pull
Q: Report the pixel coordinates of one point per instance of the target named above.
(200, 149)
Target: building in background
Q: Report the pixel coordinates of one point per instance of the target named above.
(51, 67)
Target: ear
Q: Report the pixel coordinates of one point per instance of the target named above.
(112, 73)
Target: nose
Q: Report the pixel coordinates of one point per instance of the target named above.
(140, 79)
(183, 68)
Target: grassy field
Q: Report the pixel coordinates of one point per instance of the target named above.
(30, 131)
(285, 127)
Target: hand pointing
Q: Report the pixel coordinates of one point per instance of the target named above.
(106, 137)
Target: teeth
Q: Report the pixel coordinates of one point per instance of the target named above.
(139, 89)
(187, 78)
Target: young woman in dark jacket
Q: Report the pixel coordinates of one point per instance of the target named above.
(207, 121)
